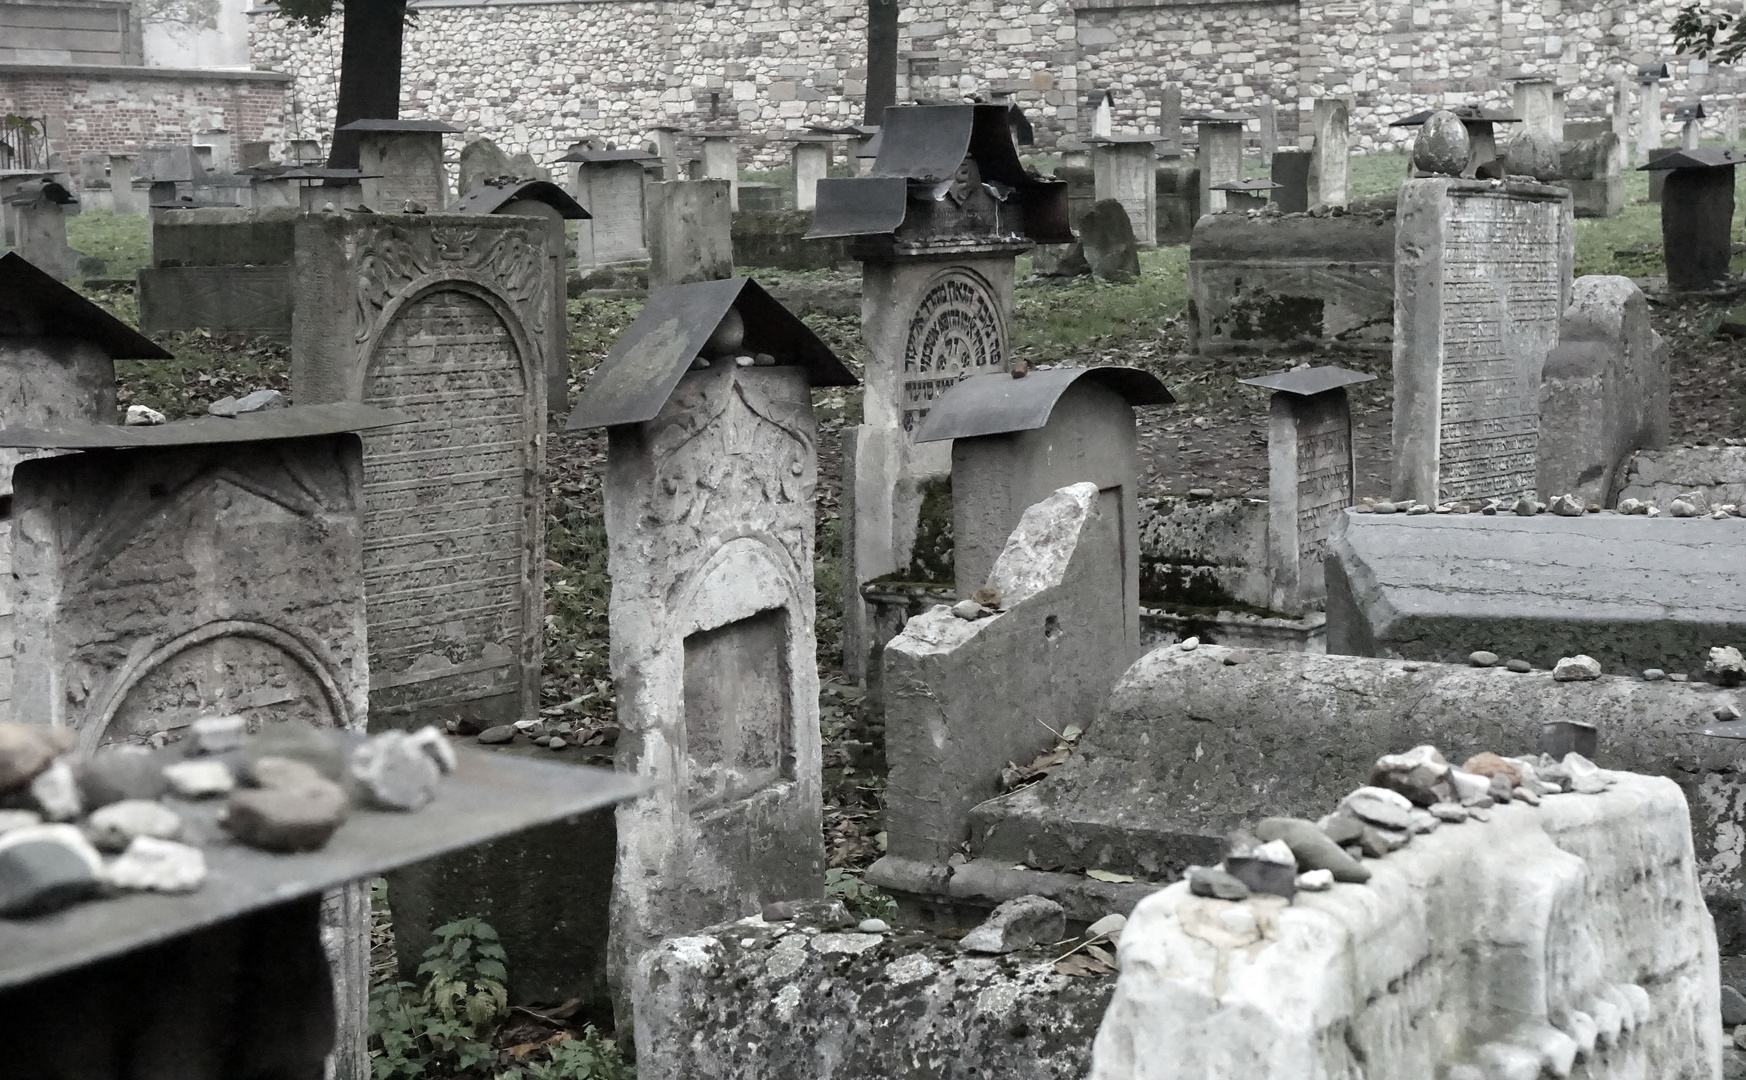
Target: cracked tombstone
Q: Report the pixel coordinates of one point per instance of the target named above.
(937, 229)
(711, 466)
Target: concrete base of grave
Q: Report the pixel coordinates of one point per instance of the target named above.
(1486, 949)
(1716, 473)
(752, 1000)
(1238, 629)
(1194, 743)
(251, 300)
(1268, 282)
(1633, 592)
(777, 238)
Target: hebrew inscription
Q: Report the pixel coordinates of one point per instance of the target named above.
(1500, 294)
(956, 331)
(1324, 475)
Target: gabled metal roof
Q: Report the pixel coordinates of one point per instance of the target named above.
(1308, 382)
(402, 125)
(33, 297)
(998, 404)
(488, 198)
(647, 362)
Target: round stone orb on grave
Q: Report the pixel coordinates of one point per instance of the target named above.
(1534, 155)
(1442, 147)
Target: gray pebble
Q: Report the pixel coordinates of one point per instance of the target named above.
(502, 733)
(873, 926)
(1214, 882)
(394, 772)
(1483, 659)
(1733, 1006)
(1520, 667)
(555, 743)
(113, 827)
(1653, 674)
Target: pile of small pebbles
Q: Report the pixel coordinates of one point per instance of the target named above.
(1409, 794)
(1688, 504)
(286, 789)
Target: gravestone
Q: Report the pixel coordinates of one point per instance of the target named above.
(1170, 119)
(1015, 441)
(402, 163)
(254, 154)
(710, 476)
(1178, 186)
(1538, 105)
(1480, 125)
(609, 184)
(481, 159)
(1267, 117)
(937, 249)
(224, 269)
(1068, 260)
(445, 316)
(690, 230)
(1330, 153)
(1689, 117)
(1604, 392)
(721, 162)
(1649, 78)
(1588, 164)
(665, 140)
(122, 197)
(547, 201)
(1697, 213)
(1220, 156)
(1291, 178)
(36, 212)
(216, 146)
(1482, 273)
(811, 160)
(1124, 168)
(757, 198)
(1108, 242)
(1310, 478)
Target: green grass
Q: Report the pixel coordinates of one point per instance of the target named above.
(122, 241)
(1055, 321)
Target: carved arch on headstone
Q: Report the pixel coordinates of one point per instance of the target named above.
(459, 280)
(144, 659)
(735, 581)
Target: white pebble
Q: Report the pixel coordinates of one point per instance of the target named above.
(158, 865)
(1315, 880)
(200, 779)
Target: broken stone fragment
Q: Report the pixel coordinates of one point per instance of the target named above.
(873, 926)
(1313, 848)
(1567, 506)
(27, 749)
(297, 741)
(1216, 883)
(143, 416)
(156, 865)
(1019, 923)
(56, 792)
(970, 609)
(1488, 764)
(1526, 506)
(1453, 813)
(200, 779)
(295, 808)
(1632, 506)
(778, 911)
(1653, 674)
(437, 746)
(113, 827)
(1421, 775)
(1424, 821)
(1726, 666)
(1264, 875)
(394, 772)
(1501, 787)
(1733, 1006)
(1470, 788)
(1586, 777)
(218, 734)
(1379, 807)
(1375, 842)
(121, 772)
(1341, 827)
(41, 876)
(1681, 508)
(988, 596)
(1315, 880)
(1579, 668)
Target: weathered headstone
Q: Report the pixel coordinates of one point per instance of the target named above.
(811, 160)
(1330, 152)
(36, 212)
(609, 185)
(937, 252)
(222, 269)
(482, 159)
(721, 162)
(548, 202)
(1589, 164)
(445, 316)
(1604, 391)
(1178, 185)
(122, 198)
(1108, 242)
(1697, 213)
(1689, 117)
(402, 162)
(1170, 118)
(665, 140)
(1482, 272)
(690, 231)
(1536, 105)
(1267, 115)
(306, 152)
(1649, 78)
(1291, 175)
(711, 466)
(1311, 477)
(1124, 168)
(218, 147)
(253, 154)
(1220, 157)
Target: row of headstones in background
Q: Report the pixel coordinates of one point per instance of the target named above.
(937, 276)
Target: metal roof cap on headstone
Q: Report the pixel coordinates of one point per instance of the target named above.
(32, 190)
(1691, 110)
(322, 172)
(1467, 114)
(292, 422)
(1127, 137)
(30, 297)
(1308, 382)
(1215, 117)
(1254, 183)
(1652, 71)
(998, 403)
(595, 157)
(402, 125)
(648, 360)
(488, 198)
(1705, 157)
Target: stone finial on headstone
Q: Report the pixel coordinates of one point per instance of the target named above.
(1442, 147)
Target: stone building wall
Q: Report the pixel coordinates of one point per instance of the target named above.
(540, 74)
(117, 109)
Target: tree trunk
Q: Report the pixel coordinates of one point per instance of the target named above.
(369, 86)
(881, 59)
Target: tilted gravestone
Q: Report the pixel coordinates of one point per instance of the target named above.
(402, 162)
(1330, 153)
(937, 228)
(445, 316)
(1108, 242)
(1311, 475)
(609, 185)
(711, 467)
(1604, 393)
(1482, 275)
(481, 160)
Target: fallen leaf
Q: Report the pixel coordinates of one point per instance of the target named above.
(1082, 966)
(1110, 876)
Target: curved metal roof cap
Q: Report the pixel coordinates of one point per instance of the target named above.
(998, 404)
(489, 198)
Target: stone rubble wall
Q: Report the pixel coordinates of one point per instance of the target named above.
(116, 110)
(537, 76)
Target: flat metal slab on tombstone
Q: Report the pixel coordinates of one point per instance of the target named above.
(1704, 157)
(322, 172)
(489, 795)
(488, 198)
(596, 157)
(1467, 113)
(1691, 110)
(1123, 137)
(997, 403)
(32, 190)
(403, 125)
(1255, 183)
(1308, 382)
(650, 358)
(25, 290)
(1215, 117)
(292, 422)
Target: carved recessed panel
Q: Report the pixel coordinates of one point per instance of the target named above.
(957, 331)
(738, 714)
(229, 675)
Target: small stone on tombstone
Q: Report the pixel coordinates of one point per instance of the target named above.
(873, 926)
(1315, 880)
(1018, 924)
(493, 736)
(113, 827)
(1380, 807)
(1482, 658)
(1313, 848)
(47, 871)
(1726, 666)
(1520, 667)
(158, 865)
(1576, 669)
(200, 779)
(297, 742)
(218, 734)
(295, 809)
(1567, 506)
(778, 911)
(437, 746)
(1533, 155)
(121, 772)
(1264, 875)
(1442, 147)
(28, 749)
(1733, 1006)
(142, 416)
(394, 772)
(1216, 883)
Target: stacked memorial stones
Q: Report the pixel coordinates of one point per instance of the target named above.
(285, 789)
(937, 227)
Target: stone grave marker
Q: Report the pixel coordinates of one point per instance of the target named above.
(1482, 273)
(690, 230)
(665, 140)
(1649, 77)
(1589, 164)
(1108, 243)
(811, 160)
(224, 269)
(1267, 118)
(609, 184)
(1330, 153)
(1310, 472)
(1483, 159)
(1220, 156)
(445, 316)
(481, 159)
(711, 467)
(36, 212)
(1539, 104)
(1170, 119)
(721, 162)
(1604, 393)
(122, 198)
(1697, 213)
(1124, 168)
(406, 158)
(1291, 179)
(937, 242)
(1689, 117)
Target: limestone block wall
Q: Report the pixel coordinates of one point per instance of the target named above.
(120, 109)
